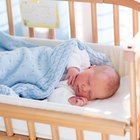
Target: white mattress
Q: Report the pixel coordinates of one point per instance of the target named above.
(115, 108)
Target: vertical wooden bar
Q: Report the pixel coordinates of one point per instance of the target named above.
(51, 34)
(72, 19)
(10, 17)
(138, 70)
(116, 25)
(55, 133)
(79, 134)
(31, 32)
(135, 22)
(8, 125)
(31, 130)
(94, 22)
(105, 137)
(133, 99)
(139, 126)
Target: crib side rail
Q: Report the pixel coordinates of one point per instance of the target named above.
(132, 56)
(56, 119)
(131, 4)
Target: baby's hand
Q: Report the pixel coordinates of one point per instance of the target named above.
(78, 101)
(71, 75)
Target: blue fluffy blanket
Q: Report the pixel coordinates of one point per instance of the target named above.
(33, 72)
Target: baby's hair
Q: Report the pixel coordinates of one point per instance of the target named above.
(113, 81)
(113, 84)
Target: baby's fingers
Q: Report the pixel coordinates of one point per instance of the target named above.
(69, 80)
(78, 101)
(72, 100)
(72, 81)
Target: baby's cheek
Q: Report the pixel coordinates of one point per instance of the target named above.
(92, 97)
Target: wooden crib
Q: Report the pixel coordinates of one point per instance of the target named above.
(83, 122)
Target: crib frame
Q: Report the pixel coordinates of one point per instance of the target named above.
(82, 122)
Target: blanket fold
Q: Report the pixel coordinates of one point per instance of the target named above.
(34, 72)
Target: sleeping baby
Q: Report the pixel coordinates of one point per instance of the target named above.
(88, 82)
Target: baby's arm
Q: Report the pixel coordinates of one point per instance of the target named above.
(78, 60)
(73, 66)
(78, 101)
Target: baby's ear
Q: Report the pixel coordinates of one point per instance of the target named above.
(78, 101)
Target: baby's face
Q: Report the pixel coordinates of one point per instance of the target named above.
(90, 85)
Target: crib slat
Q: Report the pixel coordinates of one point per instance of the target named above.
(31, 32)
(94, 22)
(72, 19)
(139, 124)
(133, 100)
(8, 125)
(10, 17)
(135, 22)
(105, 137)
(51, 34)
(138, 66)
(79, 134)
(31, 130)
(116, 24)
(139, 97)
(55, 133)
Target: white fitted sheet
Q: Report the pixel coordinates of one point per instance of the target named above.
(114, 108)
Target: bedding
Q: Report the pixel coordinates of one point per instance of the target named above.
(45, 66)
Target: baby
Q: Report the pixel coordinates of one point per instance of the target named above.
(96, 82)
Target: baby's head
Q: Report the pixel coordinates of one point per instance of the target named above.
(97, 82)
